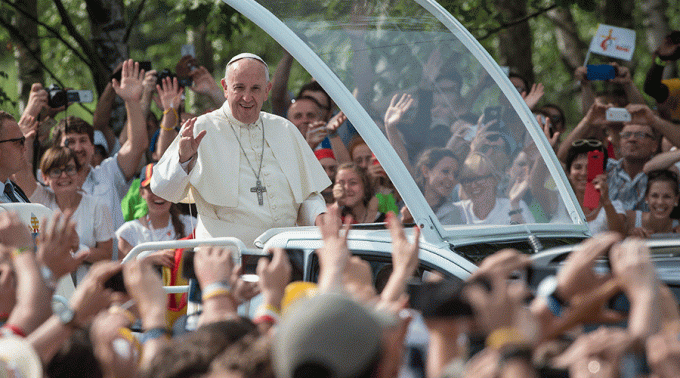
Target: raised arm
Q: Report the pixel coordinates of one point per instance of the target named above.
(279, 94)
(170, 94)
(395, 112)
(130, 90)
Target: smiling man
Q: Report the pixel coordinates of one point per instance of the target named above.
(247, 170)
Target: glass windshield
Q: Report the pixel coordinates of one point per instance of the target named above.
(452, 126)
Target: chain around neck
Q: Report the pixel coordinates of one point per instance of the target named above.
(259, 170)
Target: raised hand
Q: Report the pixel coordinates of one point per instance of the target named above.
(203, 81)
(188, 144)
(404, 259)
(397, 109)
(534, 95)
(334, 254)
(130, 87)
(165, 257)
(145, 286)
(90, 296)
(55, 243)
(641, 114)
(335, 122)
(274, 276)
(37, 100)
(316, 133)
(170, 93)
(13, 232)
(212, 264)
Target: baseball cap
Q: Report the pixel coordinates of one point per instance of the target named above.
(145, 176)
(330, 330)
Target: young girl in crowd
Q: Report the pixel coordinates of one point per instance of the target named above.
(163, 222)
(608, 215)
(352, 192)
(61, 172)
(661, 197)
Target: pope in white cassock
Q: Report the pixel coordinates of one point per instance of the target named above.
(247, 170)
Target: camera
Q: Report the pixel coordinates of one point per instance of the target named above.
(58, 97)
(600, 72)
(618, 115)
(183, 82)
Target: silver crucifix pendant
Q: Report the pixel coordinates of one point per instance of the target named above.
(259, 189)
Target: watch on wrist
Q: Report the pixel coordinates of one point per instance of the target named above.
(65, 313)
(547, 290)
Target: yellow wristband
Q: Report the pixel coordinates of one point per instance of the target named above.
(216, 293)
(174, 111)
(503, 336)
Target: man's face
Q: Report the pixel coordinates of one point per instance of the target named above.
(302, 113)
(81, 145)
(12, 157)
(329, 165)
(323, 100)
(246, 89)
(637, 142)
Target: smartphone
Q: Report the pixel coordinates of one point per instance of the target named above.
(618, 115)
(441, 299)
(600, 72)
(250, 259)
(116, 283)
(188, 50)
(591, 198)
(188, 271)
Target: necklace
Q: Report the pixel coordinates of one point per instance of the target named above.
(258, 188)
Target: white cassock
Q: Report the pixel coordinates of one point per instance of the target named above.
(221, 179)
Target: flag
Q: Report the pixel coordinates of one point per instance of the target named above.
(613, 42)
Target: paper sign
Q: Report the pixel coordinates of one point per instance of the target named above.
(613, 42)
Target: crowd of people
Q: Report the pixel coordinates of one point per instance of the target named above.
(248, 171)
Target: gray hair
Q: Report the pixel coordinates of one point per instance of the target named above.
(248, 56)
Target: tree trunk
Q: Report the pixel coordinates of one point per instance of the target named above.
(515, 42)
(108, 26)
(656, 28)
(28, 69)
(619, 13)
(572, 49)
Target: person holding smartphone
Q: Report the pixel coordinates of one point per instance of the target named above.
(608, 214)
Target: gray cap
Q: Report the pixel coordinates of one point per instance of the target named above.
(331, 330)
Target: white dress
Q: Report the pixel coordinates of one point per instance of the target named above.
(134, 232)
(599, 224)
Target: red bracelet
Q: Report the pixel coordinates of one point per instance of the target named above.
(15, 330)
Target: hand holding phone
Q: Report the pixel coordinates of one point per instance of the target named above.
(600, 72)
(591, 197)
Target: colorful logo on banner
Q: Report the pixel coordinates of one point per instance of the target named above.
(613, 42)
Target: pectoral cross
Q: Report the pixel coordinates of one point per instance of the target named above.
(259, 189)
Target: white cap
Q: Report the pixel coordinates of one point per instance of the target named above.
(248, 56)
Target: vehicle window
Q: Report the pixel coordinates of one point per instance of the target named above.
(381, 268)
(455, 129)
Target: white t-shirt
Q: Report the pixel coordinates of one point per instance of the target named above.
(135, 233)
(93, 220)
(599, 224)
(106, 182)
(498, 215)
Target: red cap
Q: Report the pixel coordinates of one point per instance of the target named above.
(145, 177)
(324, 153)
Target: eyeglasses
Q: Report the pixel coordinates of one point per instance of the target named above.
(21, 140)
(471, 180)
(637, 135)
(69, 169)
(586, 142)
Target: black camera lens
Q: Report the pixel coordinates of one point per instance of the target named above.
(56, 96)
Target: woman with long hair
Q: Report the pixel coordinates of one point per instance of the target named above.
(435, 174)
(352, 192)
(608, 215)
(662, 197)
(163, 222)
